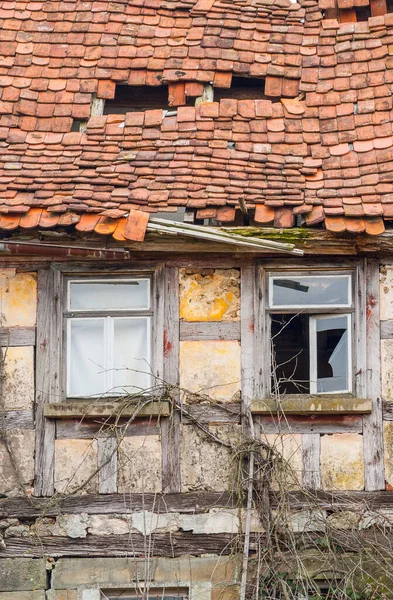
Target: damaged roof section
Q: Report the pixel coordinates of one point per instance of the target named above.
(316, 148)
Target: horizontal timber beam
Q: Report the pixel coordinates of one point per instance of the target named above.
(91, 408)
(387, 330)
(18, 419)
(17, 336)
(210, 330)
(96, 504)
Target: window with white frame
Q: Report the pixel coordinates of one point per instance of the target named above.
(311, 324)
(108, 325)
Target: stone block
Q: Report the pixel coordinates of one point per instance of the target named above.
(210, 295)
(386, 369)
(22, 574)
(104, 572)
(211, 368)
(288, 472)
(342, 464)
(18, 381)
(18, 298)
(386, 292)
(139, 464)
(75, 463)
(20, 443)
(206, 465)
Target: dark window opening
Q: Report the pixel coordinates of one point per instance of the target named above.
(291, 356)
(389, 6)
(363, 13)
(129, 98)
(242, 88)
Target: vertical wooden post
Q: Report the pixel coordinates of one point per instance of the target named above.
(311, 451)
(247, 335)
(170, 426)
(373, 424)
(107, 463)
(48, 388)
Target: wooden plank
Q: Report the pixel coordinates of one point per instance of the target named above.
(387, 330)
(107, 464)
(387, 410)
(247, 310)
(87, 429)
(164, 544)
(18, 419)
(226, 413)
(329, 404)
(211, 330)
(17, 336)
(90, 409)
(48, 357)
(170, 427)
(335, 501)
(312, 424)
(96, 504)
(311, 451)
(372, 424)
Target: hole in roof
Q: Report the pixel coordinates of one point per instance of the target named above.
(137, 98)
(363, 13)
(242, 88)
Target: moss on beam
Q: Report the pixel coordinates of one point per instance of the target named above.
(328, 404)
(75, 409)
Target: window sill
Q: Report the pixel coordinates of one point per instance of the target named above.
(93, 408)
(329, 404)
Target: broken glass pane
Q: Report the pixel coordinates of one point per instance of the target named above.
(310, 291)
(332, 354)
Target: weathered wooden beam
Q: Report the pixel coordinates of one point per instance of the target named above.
(387, 410)
(373, 444)
(226, 413)
(336, 501)
(170, 426)
(48, 361)
(387, 329)
(17, 336)
(132, 544)
(305, 404)
(88, 429)
(97, 504)
(107, 463)
(314, 423)
(210, 331)
(311, 450)
(19, 419)
(91, 409)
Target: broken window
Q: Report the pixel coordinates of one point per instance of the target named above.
(242, 88)
(311, 333)
(108, 336)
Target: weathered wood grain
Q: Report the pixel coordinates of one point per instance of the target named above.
(107, 464)
(48, 360)
(387, 330)
(17, 336)
(372, 424)
(170, 426)
(210, 331)
(298, 500)
(247, 310)
(96, 504)
(311, 450)
(133, 544)
(88, 429)
(228, 413)
(18, 419)
(312, 424)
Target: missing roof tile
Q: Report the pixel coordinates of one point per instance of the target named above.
(242, 88)
(138, 98)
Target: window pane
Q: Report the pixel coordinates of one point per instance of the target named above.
(110, 295)
(310, 291)
(131, 356)
(86, 364)
(332, 354)
(291, 361)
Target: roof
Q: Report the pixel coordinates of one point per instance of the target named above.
(320, 147)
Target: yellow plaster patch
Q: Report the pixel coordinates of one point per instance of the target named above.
(342, 464)
(75, 462)
(386, 369)
(211, 368)
(388, 454)
(210, 295)
(18, 382)
(139, 467)
(18, 298)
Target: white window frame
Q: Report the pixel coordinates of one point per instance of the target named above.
(69, 315)
(268, 275)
